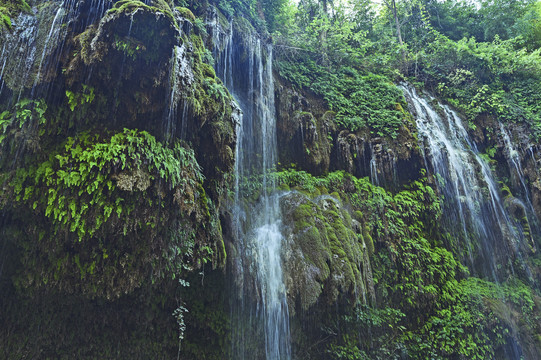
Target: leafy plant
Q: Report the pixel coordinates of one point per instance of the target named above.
(76, 184)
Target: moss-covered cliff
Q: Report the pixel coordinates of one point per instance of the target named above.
(118, 144)
(115, 152)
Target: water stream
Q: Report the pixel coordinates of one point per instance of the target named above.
(475, 212)
(262, 331)
(36, 42)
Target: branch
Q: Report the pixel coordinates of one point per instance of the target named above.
(293, 48)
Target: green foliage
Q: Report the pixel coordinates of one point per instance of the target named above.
(26, 115)
(5, 20)
(243, 9)
(493, 78)
(388, 215)
(484, 78)
(9, 9)
(361, 101)
(76, 185)
(478, 58)
(129, 6)
(111, 213)
(427, 305)
(186, 13)
(472, 318)
(334, 57)
(85, 97)
(503, 18)
(368, 101)
(271, 10)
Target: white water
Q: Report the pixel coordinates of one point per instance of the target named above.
(518, 180)
(374, 178)
(170, 117)
(475, 211)
(257, 269)
(54, 27)
(513, 159)
(34, 45)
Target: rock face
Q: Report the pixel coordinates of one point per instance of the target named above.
(304, 131)
(117, 148)
(116, 140)
(325, 248)
(310, 140)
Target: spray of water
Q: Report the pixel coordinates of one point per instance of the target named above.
(256, 225)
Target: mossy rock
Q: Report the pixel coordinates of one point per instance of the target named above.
(321, 240)
(132, 6)
(5, 18)
(369, 242)
(112, 214)
(186, 13)
(208, 71)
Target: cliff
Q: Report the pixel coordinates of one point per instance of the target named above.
(408, 226)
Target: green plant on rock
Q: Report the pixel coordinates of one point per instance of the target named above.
(186, 13)
(113, 211)
(26, 115)
(86, 96)
(10, 9)
(359, 100)
(80, 180)
(5, 19)
(130, 6)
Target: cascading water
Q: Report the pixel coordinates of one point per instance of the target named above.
(518, 181)
(245, 66)
(493, 238)
(374, 178)
(517, 177)
(33, 48)
(475, 210)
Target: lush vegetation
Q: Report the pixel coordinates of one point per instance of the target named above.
(116, 161)
(425, 303)
(482, 60)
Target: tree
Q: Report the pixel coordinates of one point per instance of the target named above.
(392, 6)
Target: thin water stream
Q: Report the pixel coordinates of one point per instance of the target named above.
(258, 266)
(475, 210)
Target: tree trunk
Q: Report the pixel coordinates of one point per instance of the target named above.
(392, 7)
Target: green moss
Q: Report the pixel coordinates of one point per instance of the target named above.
(130, 6)
(283, 187)
(208, 71)
(314, 247)
(10, 9)
(323, 230)
(506, 192)
(368, 240)
(186, 13)
(5, 19)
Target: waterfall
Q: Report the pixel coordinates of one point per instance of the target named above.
(515, 167)
(477, 215)
(518, 181)
(374, 178)
(32, 50)
(244, 63)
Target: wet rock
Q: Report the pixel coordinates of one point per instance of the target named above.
(133, 180)
(304, 130)
(323, 251)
